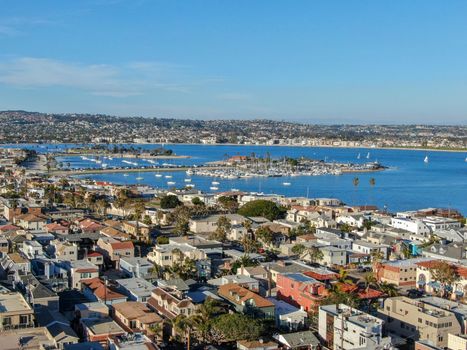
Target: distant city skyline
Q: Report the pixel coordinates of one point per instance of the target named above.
(322, 61)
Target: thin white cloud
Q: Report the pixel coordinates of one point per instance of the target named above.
(97, 79)
(14, 26)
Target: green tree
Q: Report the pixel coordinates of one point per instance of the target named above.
(389, 289)
(244, 261)
(262, 207)
(228, 203)
(249, 244)
(343, 276)
(232, 327)
(204, 314)
(162, 240)
(298, 249)
(355, 182)
(197, 201)
(314, 254)
(369, 279)
(337, 296)
(147, 220)
(170, 201)
(444, 273)
(182, 327)
(223, 228)
(265, 234)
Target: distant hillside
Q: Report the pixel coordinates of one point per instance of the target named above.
(23, 126)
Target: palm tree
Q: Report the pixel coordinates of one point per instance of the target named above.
(389, 289)
(343, 276)
(372, 185)
(355, 182)
(337, 296)
(249, 245)
(204, 314)
(369, 279)
(314, 253)
(247, 225)
(376, 258)
(158, 330)
(182, 328)
(155, 272)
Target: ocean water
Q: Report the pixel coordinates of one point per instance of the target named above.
(408, 184)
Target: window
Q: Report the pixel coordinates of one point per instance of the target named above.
(420, 320)
(6, 321)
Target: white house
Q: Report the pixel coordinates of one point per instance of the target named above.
(346, 328)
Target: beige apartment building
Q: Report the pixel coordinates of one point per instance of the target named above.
(457, 342)
(166, 255)
(15, 312)
(414, 319)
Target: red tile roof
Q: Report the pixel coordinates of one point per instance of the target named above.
(93, 254)
(230, 291)
(100, 290)
(122, 245)
(9, 227)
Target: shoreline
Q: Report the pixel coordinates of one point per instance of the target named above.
(324, 146)
(165, 170)
(263, 145)
(132, 156)
(129, 170)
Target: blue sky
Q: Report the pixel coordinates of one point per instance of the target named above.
(325, 61)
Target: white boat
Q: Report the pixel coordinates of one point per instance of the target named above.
(139, 178)
(170, 183)
(126, 175)
(234, 189)
(215, 183)
(286, 183)
(368, 155)
(214, 188)
(466, 159)
(158, 175)
(426, 160)
(187, 180)
(358, 157)
(168, 176)
(190, 185)
(189, 172)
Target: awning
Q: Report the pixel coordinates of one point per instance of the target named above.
(421, 283)
(459, 293)
(435, 285)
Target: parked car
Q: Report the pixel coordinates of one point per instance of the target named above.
(364, 269)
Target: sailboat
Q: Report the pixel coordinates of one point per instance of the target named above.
(358, 157)
(426, 160)
(466, 159)
(368, 155)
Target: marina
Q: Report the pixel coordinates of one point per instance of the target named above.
(408, 182)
